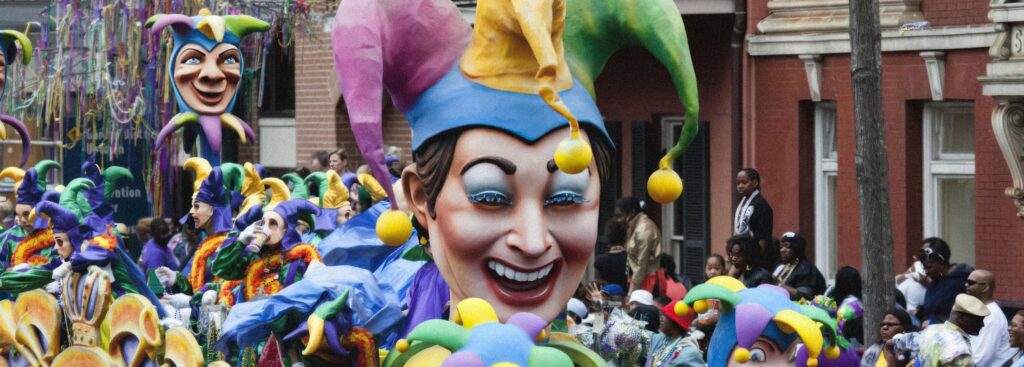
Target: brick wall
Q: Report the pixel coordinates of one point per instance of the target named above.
(955, 12)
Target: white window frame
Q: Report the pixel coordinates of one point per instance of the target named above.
(668, 211)
(824, 167)
(943, 167)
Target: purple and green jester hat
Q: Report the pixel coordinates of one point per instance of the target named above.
(477, 338)
(9, 42)
(209, 189)
(33, 183)
(210, 95)
(525, 68)
(292, 211)
(105, 183)
(751, 317)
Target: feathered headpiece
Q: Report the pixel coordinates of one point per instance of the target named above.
(207, 31)
(9, 42)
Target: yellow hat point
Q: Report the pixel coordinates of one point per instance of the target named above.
(682, 309)
(832, 352)
(402, 345)
(812, 362)
(540, 337)
(573, 155)
(700, 306)
(664, 185)
(741, 355)
(394, 228)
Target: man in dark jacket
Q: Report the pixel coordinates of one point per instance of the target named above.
(947, 281)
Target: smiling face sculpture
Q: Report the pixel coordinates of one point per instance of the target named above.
(206, 66)
(509, 147)
(9, 42)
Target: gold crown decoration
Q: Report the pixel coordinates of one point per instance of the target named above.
(86, 298)
(133, 319)
(37, 337)
(182, 349)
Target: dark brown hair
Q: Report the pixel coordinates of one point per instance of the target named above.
(434, 159)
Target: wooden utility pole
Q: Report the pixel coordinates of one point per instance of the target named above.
(872, 165)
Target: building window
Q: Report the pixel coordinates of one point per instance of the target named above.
(948, 200)
(826, 241)
(686, 222)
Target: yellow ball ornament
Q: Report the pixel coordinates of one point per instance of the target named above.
(664, 185)
(573, 155)
(741, 355)
(832, 352)
(402, 345)
(681, 309)
(812, 362)
(700, 306)
(394, 228)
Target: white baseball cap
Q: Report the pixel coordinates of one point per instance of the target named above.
(642, 297)
(577, 307)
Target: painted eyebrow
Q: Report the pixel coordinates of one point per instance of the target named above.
(504, 164)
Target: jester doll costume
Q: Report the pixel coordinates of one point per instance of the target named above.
(22, 244)
(276, 265)
(197, 274)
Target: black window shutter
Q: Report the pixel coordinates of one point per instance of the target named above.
(694, 206)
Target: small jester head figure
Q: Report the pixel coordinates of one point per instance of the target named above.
(206, 66)
(758, 325)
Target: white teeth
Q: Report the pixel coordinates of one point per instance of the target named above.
(511, 274)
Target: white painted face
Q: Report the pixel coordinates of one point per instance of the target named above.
(277, 226)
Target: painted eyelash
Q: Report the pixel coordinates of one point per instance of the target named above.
(565, 198)
(490, 198)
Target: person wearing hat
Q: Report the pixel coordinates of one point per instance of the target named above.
(946, 344)
(279, 258)
(211, 214)
(22, 246)
(641, 307)
(799, 276)
(333, 200)
(672, 346)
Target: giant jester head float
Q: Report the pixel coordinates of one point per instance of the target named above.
(761, 326)
(509, 146)
(9, 41)
(205, 67)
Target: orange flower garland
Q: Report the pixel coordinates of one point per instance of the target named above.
(31, 246)
(261, 277)
(197, 276)
(106, 241)
(226, 295)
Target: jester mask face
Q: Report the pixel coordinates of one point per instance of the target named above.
(207, 80)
